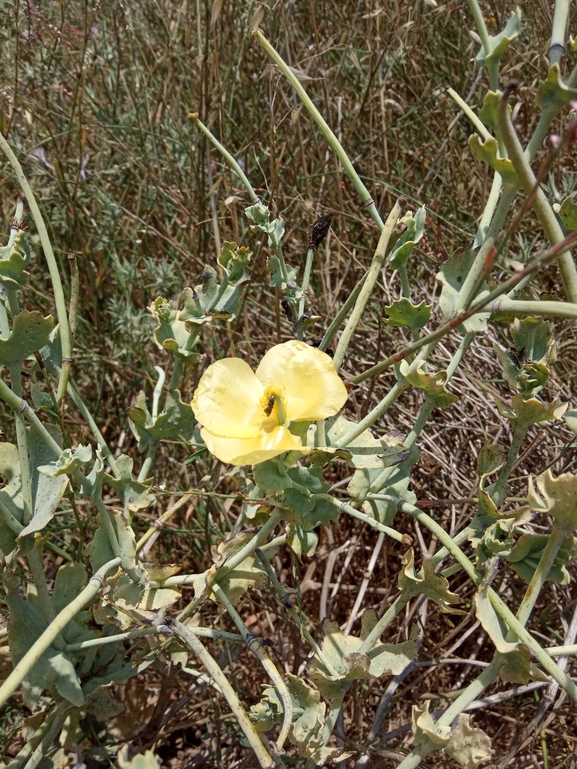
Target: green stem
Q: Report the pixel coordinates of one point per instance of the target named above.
(52, 268)
(560, 16)
(189, 640)
(367, 289)
(489, 211)
(472, 692)
(477, 272)
(499, 489)
(492, 68)
(38, 648)
(179, 361)
(544, 258)
(479, 125)
(354, 513)
(543, 210)
(388, 617)
(257, 541)
(305, 287)
(254, 645)
(342, 314)
(457, 539)
(299, 620)
(544, 309)
(323, 127)
(227, 156)
(201, 632)
(541, 573)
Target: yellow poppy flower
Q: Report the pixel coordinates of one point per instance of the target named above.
(245, 415)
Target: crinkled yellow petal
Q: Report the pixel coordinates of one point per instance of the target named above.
(251, 451)
(312, 389)
(227, 399)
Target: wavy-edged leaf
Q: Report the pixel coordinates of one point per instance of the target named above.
(403, 246)
(404, 313)
(498, 44)
(13, 261)
(30, 332)
(488, 152)
(553, 91)
(434, 586)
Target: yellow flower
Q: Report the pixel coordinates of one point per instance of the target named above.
(246, 415)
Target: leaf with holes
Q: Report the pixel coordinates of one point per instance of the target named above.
(469, 746)
(452, 275)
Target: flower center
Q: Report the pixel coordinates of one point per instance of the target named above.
(272, 405)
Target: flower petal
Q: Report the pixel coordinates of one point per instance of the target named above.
(227, 399)
(251, 451)
(312, 387)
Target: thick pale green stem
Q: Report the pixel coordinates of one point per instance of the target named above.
(489, 211)
(59, 299)
(388, 617)
(53, 630)
(498, 604)
(545, 257)
(492, 68)
(342, 314)
(305, 287)
(479, 125)
(367, 289)
(189, 639)
(544, 309)
(499, 490)
(554, 542)
(541, 205)
(323, 127)
(227, 156)
(354, 513)
(258, 540)
(559, 31)
(477, 272)
(253, 644)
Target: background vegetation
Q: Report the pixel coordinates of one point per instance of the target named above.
(94, 101)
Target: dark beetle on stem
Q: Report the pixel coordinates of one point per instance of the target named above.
(319, 231)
